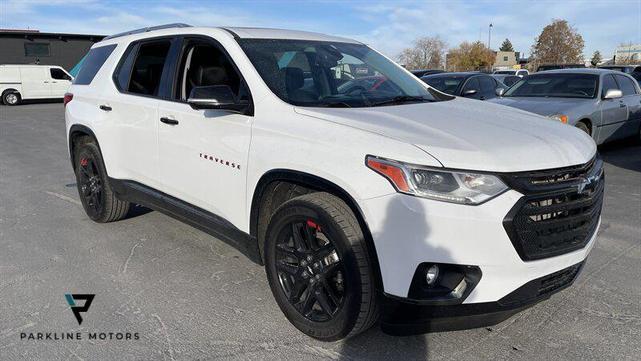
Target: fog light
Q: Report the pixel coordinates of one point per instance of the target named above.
(431, 275)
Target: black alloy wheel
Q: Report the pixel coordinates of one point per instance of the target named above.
(319, 268)
(309, 270)
(97, 197)
(90, 185)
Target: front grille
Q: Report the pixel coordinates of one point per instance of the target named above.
(560, 210)
(558, 280)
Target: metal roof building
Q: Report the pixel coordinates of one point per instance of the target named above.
(33, 47)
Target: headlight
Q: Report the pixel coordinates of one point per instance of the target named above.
(560, 117)
(434, 183)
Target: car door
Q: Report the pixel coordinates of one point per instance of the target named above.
(133, 110)
(59, 81)
(203, 153)
(632, 100)
(614, 112)
(35, 82)
(472, 84)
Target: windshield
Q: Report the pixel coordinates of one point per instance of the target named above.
(555, 86)
(446, 84)
(332, 74)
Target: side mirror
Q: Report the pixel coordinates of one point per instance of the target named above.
(500, 91)
(215, 97)
(469, 92)
(613, 94)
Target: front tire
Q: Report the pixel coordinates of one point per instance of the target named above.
(583, 127)
(97, 197)
(318, 267)
(11, 98)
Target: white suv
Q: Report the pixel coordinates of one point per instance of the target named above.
(366, 194)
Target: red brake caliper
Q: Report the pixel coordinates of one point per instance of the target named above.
(84, 162)
(312, 224)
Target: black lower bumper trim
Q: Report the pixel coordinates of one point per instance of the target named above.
(402, 317)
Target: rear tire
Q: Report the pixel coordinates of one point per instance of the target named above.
(11, 97)
(97, 197)
(322, 280)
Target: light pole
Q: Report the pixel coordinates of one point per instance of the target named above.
(489, 36)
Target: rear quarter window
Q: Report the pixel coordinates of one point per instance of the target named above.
(92, 64)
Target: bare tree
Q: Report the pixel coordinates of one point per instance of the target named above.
(470, 56)
(426, 53)
(558, 43)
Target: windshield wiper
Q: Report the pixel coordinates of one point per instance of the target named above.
(401, 99)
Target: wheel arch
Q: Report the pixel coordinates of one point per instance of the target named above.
(588, 122)
(310, 183)
(9, 89)
(76, 131)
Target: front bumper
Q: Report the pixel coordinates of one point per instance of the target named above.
(406, 317)
(408, 231)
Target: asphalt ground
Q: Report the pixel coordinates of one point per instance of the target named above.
(189, 296)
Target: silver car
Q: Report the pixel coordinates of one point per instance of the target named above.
(605, 104)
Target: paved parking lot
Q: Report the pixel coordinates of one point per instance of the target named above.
(190, 296)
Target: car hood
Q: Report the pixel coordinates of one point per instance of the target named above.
(541, 105)
(470, 134)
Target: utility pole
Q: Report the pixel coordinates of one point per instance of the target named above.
(489, 36)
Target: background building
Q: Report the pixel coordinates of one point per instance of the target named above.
(34, 47)
(506, 60)
(628, 54)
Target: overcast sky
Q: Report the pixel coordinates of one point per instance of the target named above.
(388, 26)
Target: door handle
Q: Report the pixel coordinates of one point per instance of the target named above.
(54, 81)
(169, 121)
(105, 108)
(46, 81)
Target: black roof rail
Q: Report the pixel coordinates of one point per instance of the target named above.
(150, 28)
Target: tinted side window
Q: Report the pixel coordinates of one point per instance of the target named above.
(488, 85)
(123, 72)
(92, 63)
(473, 84)
(608, 83)
(204, 64)
(147, 69)
(59, 74)
(626, 85)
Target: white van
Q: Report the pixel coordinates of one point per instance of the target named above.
(21, 82)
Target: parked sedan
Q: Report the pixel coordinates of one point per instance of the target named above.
(506, 79)
(470, 85)
(633, 70)
(518, 72)
(605, 104)
(423, 72)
